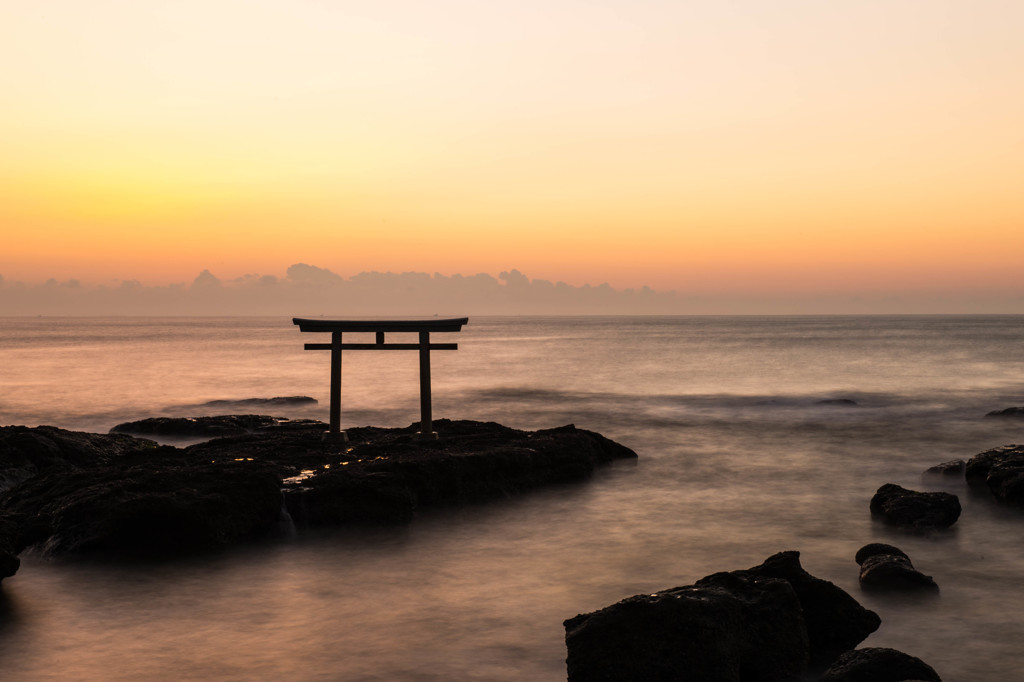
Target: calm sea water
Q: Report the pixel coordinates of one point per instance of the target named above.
(739, 459)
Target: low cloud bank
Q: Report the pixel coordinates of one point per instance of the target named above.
(311, 290)
(308, 291)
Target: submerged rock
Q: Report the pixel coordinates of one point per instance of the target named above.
(912, 509)
(1013, 412)
(1001, 471)
(282, 401)
(886, 567)
(952, 469)
(141, 499)
(192, 427)
(879, 665)
(767, 623)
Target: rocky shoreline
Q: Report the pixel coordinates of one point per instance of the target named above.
(73, 494)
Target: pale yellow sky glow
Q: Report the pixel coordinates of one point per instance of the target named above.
(747, 146)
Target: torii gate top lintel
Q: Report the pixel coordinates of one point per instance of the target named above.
(421, 327)
(435, 325)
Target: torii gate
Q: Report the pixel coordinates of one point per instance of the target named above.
(422, 327)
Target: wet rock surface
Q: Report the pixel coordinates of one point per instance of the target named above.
(770, 622)
(915, 510)
(884, 567)
(879, 665)
(90, 494)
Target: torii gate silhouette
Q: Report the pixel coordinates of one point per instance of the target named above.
(422, 327)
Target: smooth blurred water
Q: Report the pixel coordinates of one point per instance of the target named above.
(739, 459)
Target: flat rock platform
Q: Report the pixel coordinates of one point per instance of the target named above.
(72, 494)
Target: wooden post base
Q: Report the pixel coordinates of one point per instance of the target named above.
(332, 437)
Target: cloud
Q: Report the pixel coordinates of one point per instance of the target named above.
(206, 280)
(311, 290)
(311, 275)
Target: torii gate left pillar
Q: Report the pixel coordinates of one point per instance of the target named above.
(422, 327)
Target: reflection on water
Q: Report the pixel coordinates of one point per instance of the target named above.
(738, 460)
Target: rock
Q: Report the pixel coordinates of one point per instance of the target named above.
(24, 451)
(1001, 471)
(835, 621)
(1013, 412)
(845, 402)
(192, 427)
(873, 548)
(163, 507)
(164, 501)
(978, 467)
(954, 469)
(728, 628)
(390, 473)
(283, 401)
(29, 452)
(916, 510)
(9, 561)
(879, 665)
(765, 623)
(886, 567)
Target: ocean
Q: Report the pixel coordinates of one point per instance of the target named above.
(754, 434)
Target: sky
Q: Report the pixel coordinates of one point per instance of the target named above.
(744, 150)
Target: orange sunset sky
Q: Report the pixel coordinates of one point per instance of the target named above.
(753, 146)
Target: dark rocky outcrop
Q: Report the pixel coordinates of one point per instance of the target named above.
(879, 665)
(137, 498)
(886, 567)
(763, 624)
(915, 510)
(1011, 412)
(1001, 471)
(842, 402)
